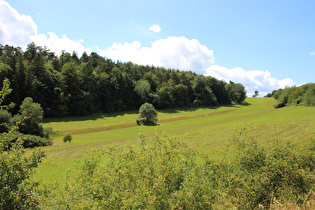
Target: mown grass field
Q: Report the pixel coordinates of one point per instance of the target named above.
(210, 129)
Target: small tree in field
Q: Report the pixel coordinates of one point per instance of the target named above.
(256, 94)
(147, 114)
(68, 138)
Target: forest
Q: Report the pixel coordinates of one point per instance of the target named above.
(69, 85)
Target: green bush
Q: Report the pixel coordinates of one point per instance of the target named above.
(8, 139)
(5, 120)
(163, 174)
(16, 190)
(260, 174)
(26, 140)
(279, 105)
(68, 138)
(30, 141)
(47, 132)
(140, 121)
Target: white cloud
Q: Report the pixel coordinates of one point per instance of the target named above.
(252, 80)
(15, 29)
(56, 44)
(20, 30)
(312, 53)
(155, 28)
(172, 52)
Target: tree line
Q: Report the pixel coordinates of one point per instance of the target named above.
(71, 85)
(304, 94)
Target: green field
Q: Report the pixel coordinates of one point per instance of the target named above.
(210, 129)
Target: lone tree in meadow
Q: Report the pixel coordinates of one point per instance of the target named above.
(147, 114)
(256, 94)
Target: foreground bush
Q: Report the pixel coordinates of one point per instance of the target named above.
(5, 120)
(261, 175)
(165, 173)
(16, 190)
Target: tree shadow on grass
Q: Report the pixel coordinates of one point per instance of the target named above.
(95, 116)
(186, 109)
(150, 125)
(245, 103)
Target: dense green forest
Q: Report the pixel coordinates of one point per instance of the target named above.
(71, 85)
(304, 94)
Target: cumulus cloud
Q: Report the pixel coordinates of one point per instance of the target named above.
(155, 28)
(252, 80)
(312, 53)
(20, 30)
(57, 44)
(15, 29)
(172, 52)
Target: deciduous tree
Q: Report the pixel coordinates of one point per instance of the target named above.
(148, 113)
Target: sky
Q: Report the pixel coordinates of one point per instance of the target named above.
(263, 44)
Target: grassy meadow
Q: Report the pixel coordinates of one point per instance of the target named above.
(209, 129)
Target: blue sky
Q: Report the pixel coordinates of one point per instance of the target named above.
(264, 45)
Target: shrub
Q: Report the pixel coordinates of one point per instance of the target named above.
(68, 138)
(148, 113)
(260, 174)
(30, 141)
(47, 132)
(140, 121)
(163, 174)
(5, 120)
(8, 139)
(16, 190)
(26, 140)
(279, 105)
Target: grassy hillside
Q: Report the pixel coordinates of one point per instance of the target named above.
(208, 128)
